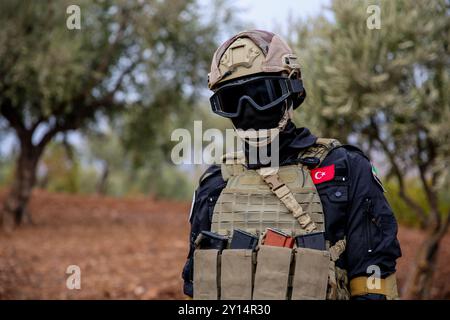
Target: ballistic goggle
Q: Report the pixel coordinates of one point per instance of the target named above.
(263, 93)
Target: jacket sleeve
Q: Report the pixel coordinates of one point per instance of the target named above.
(371, 226)
(210, 186)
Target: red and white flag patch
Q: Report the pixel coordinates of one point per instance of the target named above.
(320, 175)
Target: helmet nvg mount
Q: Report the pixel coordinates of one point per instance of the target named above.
(250, 57)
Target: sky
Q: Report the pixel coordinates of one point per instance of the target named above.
(274, 14)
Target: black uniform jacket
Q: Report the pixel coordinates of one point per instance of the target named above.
(353, 201)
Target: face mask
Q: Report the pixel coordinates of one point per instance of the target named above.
(251, 118)
(260, 127)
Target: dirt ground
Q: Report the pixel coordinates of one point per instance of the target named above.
(126, 249)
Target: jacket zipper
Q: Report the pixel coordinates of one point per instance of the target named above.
(368, 212)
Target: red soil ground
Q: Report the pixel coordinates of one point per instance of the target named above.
(126, 249)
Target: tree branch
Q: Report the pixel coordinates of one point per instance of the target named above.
(105, 63)
(14, 120)
(423, 168)
(445, 224)
(100, 66)
(37, 123)
(74, 120)
(397, 173)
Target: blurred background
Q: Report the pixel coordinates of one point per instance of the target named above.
(89, 97)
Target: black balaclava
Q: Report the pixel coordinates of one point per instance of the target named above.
(251, 118)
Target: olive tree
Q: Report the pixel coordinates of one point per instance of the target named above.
(54, 79)
(387, 89)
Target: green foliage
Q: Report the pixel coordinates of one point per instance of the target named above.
(88, 179)
(404, 213)
(61, 170)
(44, 65)
(167, 182)
(178, 84)
(147, 59)
(49, 70)
(172, 184)
(353, 73)
(386, 89)
(106, 150)
(6, 171)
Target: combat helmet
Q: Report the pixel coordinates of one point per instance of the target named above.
(249, 61)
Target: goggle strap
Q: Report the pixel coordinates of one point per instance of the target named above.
(295, 85)
(269, 88)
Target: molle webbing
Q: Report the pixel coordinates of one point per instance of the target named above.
(282, 192)
(248, 203)
(287, 199)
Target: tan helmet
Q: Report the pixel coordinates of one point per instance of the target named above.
(252, 52)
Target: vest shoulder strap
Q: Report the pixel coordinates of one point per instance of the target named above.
(320, 149)
(232, 164)
(212, 170)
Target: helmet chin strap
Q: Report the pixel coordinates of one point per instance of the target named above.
(263, 137)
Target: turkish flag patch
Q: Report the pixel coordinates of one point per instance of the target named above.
(320, 175)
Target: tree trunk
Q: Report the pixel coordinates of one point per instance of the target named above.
(102, 183)
(420, 281)
(15, 210)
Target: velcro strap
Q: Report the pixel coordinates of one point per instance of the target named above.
(282, 192)
(271, 177)
(198, 240)
(337, 249)
(365, 285)
(294, 207)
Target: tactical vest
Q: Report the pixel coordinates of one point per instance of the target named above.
(285, 199)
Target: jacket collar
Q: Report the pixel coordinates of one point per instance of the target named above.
(299, 138)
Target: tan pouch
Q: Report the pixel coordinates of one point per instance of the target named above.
(206, 274)
(236, 274)
(311, 274)
(272, 273)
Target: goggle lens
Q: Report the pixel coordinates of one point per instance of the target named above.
(262, 93)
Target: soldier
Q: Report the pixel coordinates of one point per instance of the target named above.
(321, 185)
